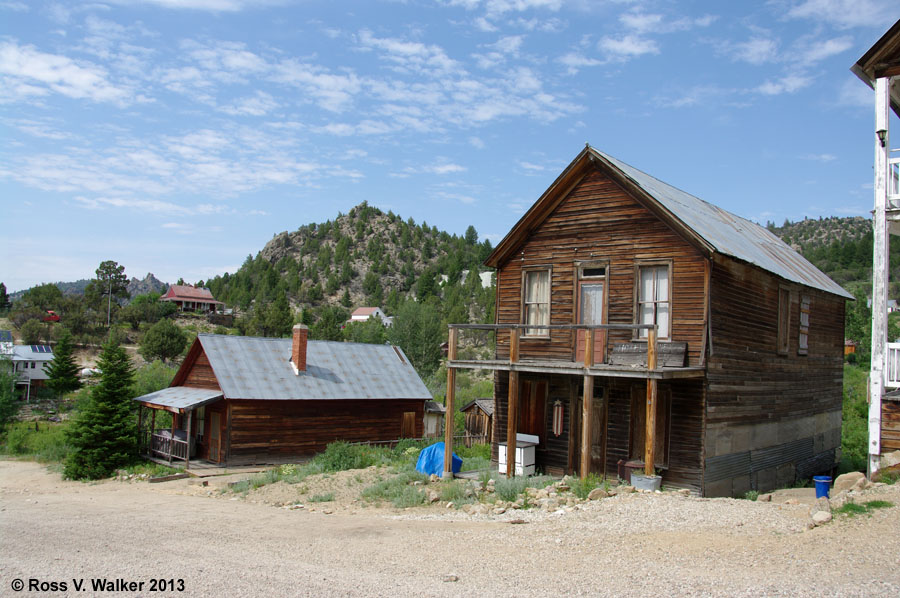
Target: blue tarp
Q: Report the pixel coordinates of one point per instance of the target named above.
(431, 460)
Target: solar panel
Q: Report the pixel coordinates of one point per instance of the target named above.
(40, 349)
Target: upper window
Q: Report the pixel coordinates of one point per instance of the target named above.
(653, 299)
(537, 301)
(784, 320)
(803, 345)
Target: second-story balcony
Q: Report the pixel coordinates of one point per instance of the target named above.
(612, 350)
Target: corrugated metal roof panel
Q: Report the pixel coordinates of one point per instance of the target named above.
(729, 234)
(181, 397)
(260, 368)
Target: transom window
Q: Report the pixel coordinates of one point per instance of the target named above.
(537, 301)
(653, 299)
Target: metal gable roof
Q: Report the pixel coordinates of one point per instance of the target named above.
(260, 368)
(729, 234)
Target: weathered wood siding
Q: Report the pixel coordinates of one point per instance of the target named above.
(477, 426)
(890, 425)
(266, 431)
(771, 417)
(599, 221)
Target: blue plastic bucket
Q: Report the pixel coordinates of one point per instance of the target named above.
(823, 485)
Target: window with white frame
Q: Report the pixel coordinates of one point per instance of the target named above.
(537, 301)
(653, 299)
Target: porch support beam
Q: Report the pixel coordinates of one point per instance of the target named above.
(587, 406)
(140, 432)
(651, 406)
(511, 420)
(187, 454)
(880, 271)
(449, 408)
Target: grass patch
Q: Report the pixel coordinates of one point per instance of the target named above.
(397, 490)
(889, 477)
(852, 509)
(750, 495)
(154, 470)
(324, 497)
(509, 489)
(47, 444)
(454, 491)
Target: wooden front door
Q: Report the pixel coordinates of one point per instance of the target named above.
(408, 425)
(533, 408)
(215, 421)
(591, 311)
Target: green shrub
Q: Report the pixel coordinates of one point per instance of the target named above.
(325, 497)
(581, 488)
(751, 495)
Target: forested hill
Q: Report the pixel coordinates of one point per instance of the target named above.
(840, 247)
(364, 258)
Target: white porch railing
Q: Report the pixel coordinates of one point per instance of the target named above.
(892, 366)
(893, 181)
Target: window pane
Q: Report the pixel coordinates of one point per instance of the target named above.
(646, 317)
(646, 284)
(662, 283)
(537, 288)
(662, 319)
(591, 303)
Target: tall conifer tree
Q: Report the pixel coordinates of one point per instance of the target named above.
(104, 435)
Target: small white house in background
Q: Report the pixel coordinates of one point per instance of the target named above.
(28, 365)
(6, 343)
(361, 314)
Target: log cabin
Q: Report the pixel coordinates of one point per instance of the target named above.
(239, 400)
(637, 325)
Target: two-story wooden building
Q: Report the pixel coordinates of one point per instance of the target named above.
(740, 384)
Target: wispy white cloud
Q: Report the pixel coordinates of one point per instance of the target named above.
(643, 22)
(259, 104)
(575, 61)
(787, 84)
(847, 13)
(629, 46)
(206, 5)
(14, 6)
(816, 50)
(819, 157)
(24, 68)
(757, 50)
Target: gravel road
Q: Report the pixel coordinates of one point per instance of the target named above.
(52, 531)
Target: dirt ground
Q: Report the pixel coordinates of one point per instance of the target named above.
(221, 544)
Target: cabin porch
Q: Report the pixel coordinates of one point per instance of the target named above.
(195, 430)
(589, 414)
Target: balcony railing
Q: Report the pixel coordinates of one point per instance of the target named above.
(893, 182)
(617, 349)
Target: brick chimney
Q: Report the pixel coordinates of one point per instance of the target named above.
(298, 348)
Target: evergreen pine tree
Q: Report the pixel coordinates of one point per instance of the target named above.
(345, 298)
(103, 437)
(62, 371)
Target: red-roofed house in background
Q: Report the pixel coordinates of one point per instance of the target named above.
(189, 298)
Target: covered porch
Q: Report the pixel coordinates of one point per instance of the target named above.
(190, 437)
(572, 397)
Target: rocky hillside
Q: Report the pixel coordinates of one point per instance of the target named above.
(809, 234)
(365, 257)
(149, 284)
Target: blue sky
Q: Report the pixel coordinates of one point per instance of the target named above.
(178, 136)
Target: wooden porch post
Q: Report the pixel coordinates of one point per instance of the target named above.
(187, 455)
(512, 418)
(651, 405)
(587, 404)
(449, 407)
(512, 413)
(140, 434)
(172, 439)
(152, 430)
